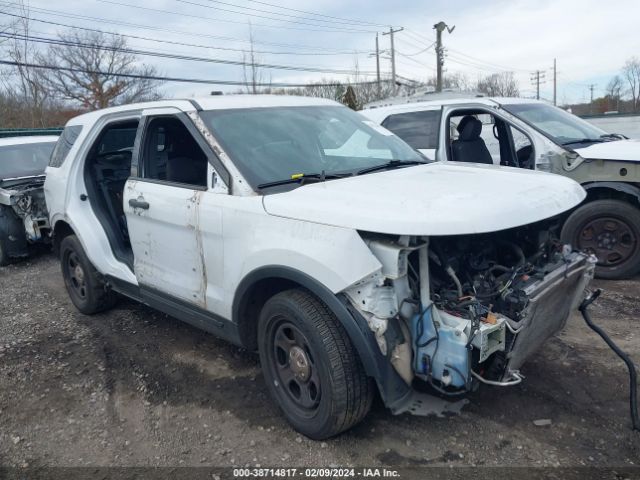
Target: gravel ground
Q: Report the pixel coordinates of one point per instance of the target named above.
(133, 387)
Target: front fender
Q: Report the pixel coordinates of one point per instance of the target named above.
(393, 389)
(621, 187)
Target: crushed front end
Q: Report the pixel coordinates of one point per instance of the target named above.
(24, 218)
(452, 311)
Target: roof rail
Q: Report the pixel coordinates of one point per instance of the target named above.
(423, 97)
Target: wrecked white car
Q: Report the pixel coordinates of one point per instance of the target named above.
(294, 227)
(534, 135)
(23, 213)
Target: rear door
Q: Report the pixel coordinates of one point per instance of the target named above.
(161, 205)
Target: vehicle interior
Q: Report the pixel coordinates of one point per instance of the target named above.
(107, 168)
(171, 154)
(481, 137)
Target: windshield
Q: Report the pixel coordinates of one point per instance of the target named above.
(272, 144)
(24, 160)
(562, 127)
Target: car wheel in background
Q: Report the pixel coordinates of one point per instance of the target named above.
(609, 229)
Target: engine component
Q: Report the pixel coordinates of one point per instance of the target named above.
(441, 351)
(505, 292)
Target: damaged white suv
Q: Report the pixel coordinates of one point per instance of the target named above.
(295, 227)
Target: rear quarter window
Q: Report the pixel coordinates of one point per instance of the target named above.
(418, 129)
(63, 146)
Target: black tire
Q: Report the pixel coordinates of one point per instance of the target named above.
(11, 227)
(84, 284)
(332, 393)
(610, 229)
(4, 258)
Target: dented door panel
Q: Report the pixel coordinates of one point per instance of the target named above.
(164, 238)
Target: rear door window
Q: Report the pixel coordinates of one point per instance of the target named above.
(63, 146)
(418, 129)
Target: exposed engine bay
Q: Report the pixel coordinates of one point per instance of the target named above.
(27, 201)
(453, 311)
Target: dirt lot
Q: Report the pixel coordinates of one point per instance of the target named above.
(134, 387)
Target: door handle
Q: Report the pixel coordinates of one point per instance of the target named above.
(139, 204)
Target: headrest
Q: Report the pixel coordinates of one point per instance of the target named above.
(469, 128)
(186, 170)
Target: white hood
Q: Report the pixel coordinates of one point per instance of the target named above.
(443, 198)
(627, 150)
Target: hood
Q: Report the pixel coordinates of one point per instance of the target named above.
(442, 198)
(626, 150)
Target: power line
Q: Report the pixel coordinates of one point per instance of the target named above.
(317, 18)
(477, 66)
(422, 64)
(171, 42)
(183, 14)
(57, 13)
(174, 56)
(409, 41)
(417, 53)
(171, 79)
(317, 14)
(494, 65)
(421, 38)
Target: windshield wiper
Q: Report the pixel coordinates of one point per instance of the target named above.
(391, 165)
(584, 140)
(613, 136)
(303, 178)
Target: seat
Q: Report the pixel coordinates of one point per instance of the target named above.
(469, 147)
(186, 162)
(187, 170)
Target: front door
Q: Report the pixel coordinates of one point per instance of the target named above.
(161, 206)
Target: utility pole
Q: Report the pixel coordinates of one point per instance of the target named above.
(378, 67)
(537, 78)
(554, 81)
(440, 27)
(393, 55)
(591, 87)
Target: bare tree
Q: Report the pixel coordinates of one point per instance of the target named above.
(96, 70)
(23, 84)
(499, 85)
(251, 70)
(631, 73)
(455, 81)
(614, 91)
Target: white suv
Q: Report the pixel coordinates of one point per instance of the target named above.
(534, 135)
(295, 227)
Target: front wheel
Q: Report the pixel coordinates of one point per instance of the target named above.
(310, 366)
(609, 229)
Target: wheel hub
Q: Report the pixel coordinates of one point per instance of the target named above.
(295, 368)
(299, 363)
(611, 239)
(78, 273)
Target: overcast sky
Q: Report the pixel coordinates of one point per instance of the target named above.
(591, 39)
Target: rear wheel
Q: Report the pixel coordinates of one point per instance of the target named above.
(85, 285)
(311, 369)
(609, 229)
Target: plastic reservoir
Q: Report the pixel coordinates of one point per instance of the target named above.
(450, 364)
